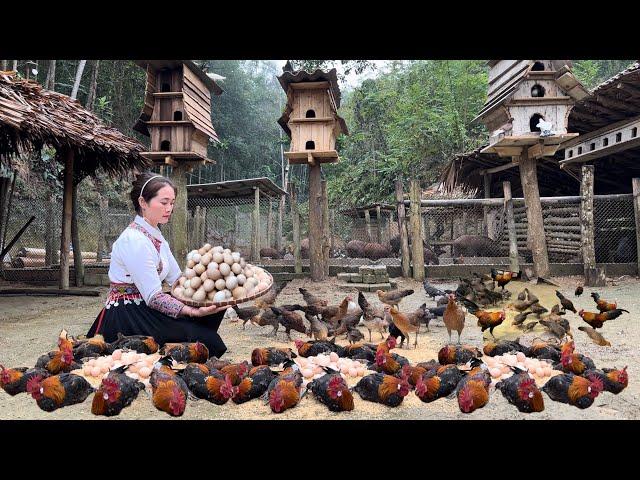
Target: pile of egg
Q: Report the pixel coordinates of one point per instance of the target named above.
(217, 274)
(140, 368)
(311, 367)
(499, 365)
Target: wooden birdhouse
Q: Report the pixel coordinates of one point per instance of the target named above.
(177, 111)
(311, 115)
(528, 106)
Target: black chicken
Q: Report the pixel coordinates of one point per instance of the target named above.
(521, 390)
(573, 390)
(438, 383)
(139, 343)
(14, 380)
(254, 385)
(381, 388)
(58, 391)
(333, 391)
(116, 392)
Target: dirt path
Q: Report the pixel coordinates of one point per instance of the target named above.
(29, 327)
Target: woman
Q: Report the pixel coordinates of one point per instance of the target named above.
(140, 261)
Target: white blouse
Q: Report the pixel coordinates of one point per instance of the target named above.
(135, 259)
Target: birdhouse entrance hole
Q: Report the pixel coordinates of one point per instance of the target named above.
(177, 115)
(537, 67)
(165, 146)
(310, 114)
(165, 87)
(310, 145)
(533, 123)
(537, 91)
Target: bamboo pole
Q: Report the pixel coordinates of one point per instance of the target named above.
(197, 225)
(594, 276)
(67, 207)
(316, 264)
(417, 251)
(402, 229)
(295, 220)
(511, 227)
(635, 182)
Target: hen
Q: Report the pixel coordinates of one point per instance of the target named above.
(254, 385)
(139, 343)
(438, 383)
(271, 356)
(457, 354)
(453, 317)
(208, 384)
(393, 297)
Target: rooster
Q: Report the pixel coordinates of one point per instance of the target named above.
(521, 390)
(453, 317)
(613, 380)
(544, 351)
(59, 361)
(473, 390)
(571, 362)
(596, 320)
(254, 385)
(595, 336)
(573, 389)
(139, 343)
(313, 348)
(58, 391)
(271, 356)
(332, 391)
(186, 352)
(14, 380)
(381, 388)
(116, 392)
(290, 321)
(501, 347)
(285, 391)
(503, 277)
(389, 363)
(457, 354)
(169, 391)
(486, 319)
(360, 351)
(393, 297)
(208, 384)
(438, 383)
(565, 302)
(236, 371)
(603, 305)
(92, 347)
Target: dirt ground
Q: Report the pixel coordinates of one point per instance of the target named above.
(29, 327)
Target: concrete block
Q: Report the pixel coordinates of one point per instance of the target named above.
(368, 279)
(355, 278)
(366, 270)
(104, 280)
(344, 277)
(92, 279)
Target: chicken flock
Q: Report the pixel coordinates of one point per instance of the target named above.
(272, 375)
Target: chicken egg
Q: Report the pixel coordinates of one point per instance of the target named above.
(241, 279)
(202, 251)
(191, 264)
(361, 371)
(196, 257)
(231, 282)
(214, 274)
(218, 248)
(199, 269)
(307, 372)
(219, 296)
(182, 280)
(195, 283)
(209, 285)
(236, 256)
(221, 284)
(95, 371)
(199, 295)
(495, 372)
(353, 372)
(333, 356)
(317, 369)
(243, 263)
(86, 370)
(189, 273)
(218, 257)
(226, 250)
(204, 276)
(248, 272)
(520, 356)
(179, 291)
(134, 368)
(207, 246)
(239, 292)
(236, 268)
(104, 368)
(144, 372)
(225, 269)
(206, 259)
(227, 294)
(210, 295)
(188, 292)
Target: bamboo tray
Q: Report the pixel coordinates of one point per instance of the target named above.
(209, 303)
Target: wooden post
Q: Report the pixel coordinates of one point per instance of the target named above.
(103, 209)
(316, 264)
(49, 242)
(636, 208)
(464, 222)
(417, 251)
(270, 226)
(367, 221)
(529, 180)
(332, 229)
(236, 225)
(255, 237)
(280, 220)
(379, 219)
(425, 226)
(197, 225)
(325, 228)
(389, 220)
(78, 266)
(179, 228)
(511, 226)
(489, 215)
(67, 207)
(295, 220)
(593, 276)
(402, 229)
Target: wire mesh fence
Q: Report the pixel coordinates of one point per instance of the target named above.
(614, 229)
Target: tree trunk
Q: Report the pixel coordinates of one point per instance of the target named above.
(93, 87)
(402, 228)
(594, 276)
(78, 266)
(50, 82)
(316, 264)
(76, 83)
(67, 208)
(179, 216)
(367, 222)
(636, 208)
(417, 251)
(511, 226)
(325, 229)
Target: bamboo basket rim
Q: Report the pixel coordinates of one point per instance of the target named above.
(209, 303)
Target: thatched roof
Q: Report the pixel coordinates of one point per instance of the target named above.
(31, 117)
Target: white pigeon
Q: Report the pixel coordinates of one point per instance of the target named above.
(545, 128)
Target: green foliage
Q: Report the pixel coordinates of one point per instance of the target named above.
(593, 72)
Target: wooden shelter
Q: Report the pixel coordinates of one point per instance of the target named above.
(177, 116)
(312, 122)
(527, 111)
(372, 223)
(32, 117)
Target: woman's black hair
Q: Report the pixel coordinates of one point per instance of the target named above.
(150, 190)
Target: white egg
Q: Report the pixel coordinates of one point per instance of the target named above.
(182, 280)
(179, 291)
(227, 293)
(226, 250)
(195, 283)
(209, 285)
(248, 271)
(243, 263)
(221, 284)
(241, 279)
(231, 282)
(236, 268)
(219, 296)
(236, 256)
(199, 295)
(199, 269)
(218, 248)
(228, 259)
(189, 273)
(188, 292)
(187, 284)
(196, 257)
(206, 259)
(225, 269)
(191, 264)
(218, 257)
(207, 246)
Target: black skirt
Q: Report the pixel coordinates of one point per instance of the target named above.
(139, 319)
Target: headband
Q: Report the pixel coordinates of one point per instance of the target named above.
(145, 183)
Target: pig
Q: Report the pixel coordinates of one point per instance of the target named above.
(269, 252)
(374, 251)
(355, 248)
(475, 246)
(430, 255)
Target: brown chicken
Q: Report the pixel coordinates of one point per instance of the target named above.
(236, 371)
(91, 347)
(578, 291)
(571, 362)
(406, 322)
(596, 320)
(501, 347)
(268, 318)
(473, 390)
(393, 297)
(486, 319)
(14, 380)
(169, 391)
(544, 351)
(139, 343)
(214, 363)
(271, 356)
(58, 391)
(311, 299)
(521, 390)
(457, 354)
(247, 314)
(59, 361)
(116, 392)
(603, 305)
(565, 302)
(347, 323)
(438, 383)
(332, 391)
(318, 329)
(186, 352)
(208, 384)
(313, 348)
(290, 321)
(503, 277)
(331, 314)
(595, 336)
(613, 380)
(381, 388)
(284, 391)
(360, 351)
(453, 317)
(573, 389)
(387, 362)
(254, 384)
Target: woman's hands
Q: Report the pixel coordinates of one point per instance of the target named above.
(202, 311)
